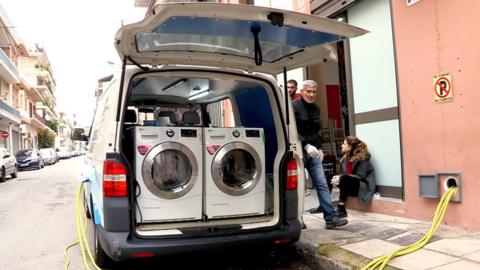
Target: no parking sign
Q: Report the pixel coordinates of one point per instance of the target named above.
(443, 87)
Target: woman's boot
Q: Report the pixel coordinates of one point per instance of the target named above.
(342, 211)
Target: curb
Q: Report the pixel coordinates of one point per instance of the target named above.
(331, 257)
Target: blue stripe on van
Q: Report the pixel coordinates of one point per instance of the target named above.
(96, 196)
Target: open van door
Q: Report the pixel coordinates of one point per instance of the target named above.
(246, 37)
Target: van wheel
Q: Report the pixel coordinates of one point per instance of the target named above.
(2, 176)
(14, 174)
(101, 258)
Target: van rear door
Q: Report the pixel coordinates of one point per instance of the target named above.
(243, 37)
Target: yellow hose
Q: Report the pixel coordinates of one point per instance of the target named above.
(81, 234)
(381, 262)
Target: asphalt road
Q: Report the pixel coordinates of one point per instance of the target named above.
(37, 222)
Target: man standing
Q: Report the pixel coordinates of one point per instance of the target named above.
(292, 90)
(307, 116)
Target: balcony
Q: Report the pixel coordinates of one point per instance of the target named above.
(8, 111)
(34, 95)
(25, 117)
(45, 75)
(46, 92)
(45, 110)
(8, 70)
(39, 118)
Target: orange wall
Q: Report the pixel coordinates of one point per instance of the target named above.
(435, 36)
(301, 6)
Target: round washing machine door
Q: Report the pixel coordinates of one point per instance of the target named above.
(170, 170)
(236, 168)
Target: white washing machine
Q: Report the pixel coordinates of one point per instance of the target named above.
(169, 169)
(234, 172)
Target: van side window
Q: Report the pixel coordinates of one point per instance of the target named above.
(221, 114)
(97, 120)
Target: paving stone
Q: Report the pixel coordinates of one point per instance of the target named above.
(461, 264)
(407, 239)
(371, 248)
(383, 232)
(456, 247)
(474, 256)
(422, 259)
(359, 227)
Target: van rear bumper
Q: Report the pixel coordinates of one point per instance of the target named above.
(122, 245)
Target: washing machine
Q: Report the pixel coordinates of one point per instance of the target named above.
(169, 169)
(234, 172)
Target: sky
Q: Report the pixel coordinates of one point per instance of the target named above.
(78, 39)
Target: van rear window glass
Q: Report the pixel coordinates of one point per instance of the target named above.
(232, 37)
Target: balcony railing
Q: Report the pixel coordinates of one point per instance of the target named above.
(39, 118)
(8, 64)
(11, 110)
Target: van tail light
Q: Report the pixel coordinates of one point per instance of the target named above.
(292, 175)
(114, 179)
(283, 241)
(143, 255)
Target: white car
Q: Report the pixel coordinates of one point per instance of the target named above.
(63, 153)
(8, 164)
(192, 70)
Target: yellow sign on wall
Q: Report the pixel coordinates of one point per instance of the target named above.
(443, 87)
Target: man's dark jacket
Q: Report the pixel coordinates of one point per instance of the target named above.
(307, 117)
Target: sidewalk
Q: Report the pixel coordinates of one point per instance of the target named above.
(369, 235)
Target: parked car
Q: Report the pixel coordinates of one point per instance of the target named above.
(48, 156)
(191, 72)
(54, 154)
(8, 164)
(29, 158)
(63, 153)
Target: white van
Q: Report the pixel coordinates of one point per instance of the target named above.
(194, 146)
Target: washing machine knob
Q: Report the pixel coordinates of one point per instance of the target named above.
(170, 133)
(236, 133)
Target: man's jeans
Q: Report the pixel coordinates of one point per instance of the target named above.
(315, 169)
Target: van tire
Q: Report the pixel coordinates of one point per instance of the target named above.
(101, 258)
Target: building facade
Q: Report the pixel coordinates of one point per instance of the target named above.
(408, 92)
(64, 129)
(27, 101)
(11, 48)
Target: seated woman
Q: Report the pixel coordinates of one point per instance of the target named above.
(358, 176)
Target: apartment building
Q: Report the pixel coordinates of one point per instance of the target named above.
(11, 48)
(27, 100)
(37, 103)
(64, 129)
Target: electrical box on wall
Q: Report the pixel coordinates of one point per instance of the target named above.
(428, 186)
(449, 179)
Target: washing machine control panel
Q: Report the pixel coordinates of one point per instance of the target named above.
(236, 133)
(189, 133)
(252, 133)
(170, 133)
